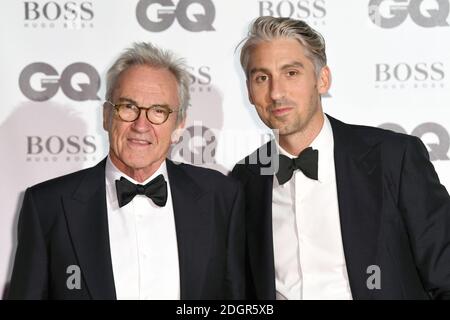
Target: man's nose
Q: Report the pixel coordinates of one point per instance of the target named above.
(142, 123)
(276, 89)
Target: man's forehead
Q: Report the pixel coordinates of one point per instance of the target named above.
(277, 44)
(144, 83)
(140, 91)
(278, 58)
(144, 86)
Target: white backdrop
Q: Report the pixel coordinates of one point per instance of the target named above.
(389, 60)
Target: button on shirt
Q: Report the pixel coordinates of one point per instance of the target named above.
(308, 251)
(143, 242)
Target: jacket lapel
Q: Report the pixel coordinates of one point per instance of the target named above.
(259, 223)
(358, 178)
(86, 214)
(193, 219)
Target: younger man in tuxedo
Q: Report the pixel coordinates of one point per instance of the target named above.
(353, 212)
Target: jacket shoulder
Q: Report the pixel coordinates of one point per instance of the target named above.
(61, 184)
(391, 141)
(208, 178)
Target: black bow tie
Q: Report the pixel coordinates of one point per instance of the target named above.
(306, 162)
(155, 190)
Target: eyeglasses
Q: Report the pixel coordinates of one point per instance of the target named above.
(129, 112)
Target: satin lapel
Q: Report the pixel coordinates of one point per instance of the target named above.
(258, 192)
(193, 221)
(359, 186)
(86, 214)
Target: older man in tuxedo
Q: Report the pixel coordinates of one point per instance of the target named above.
(137, 225)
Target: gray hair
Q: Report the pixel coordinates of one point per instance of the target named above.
(270, 28)
(144, 53)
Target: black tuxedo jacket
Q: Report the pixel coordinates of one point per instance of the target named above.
(394, 214)
(63, 222)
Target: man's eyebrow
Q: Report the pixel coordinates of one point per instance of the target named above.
(129, 100)
(125, 99)
(295, 64)
(255, 70)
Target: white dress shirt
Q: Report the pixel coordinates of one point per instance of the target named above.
(143, 242)
(308, 251)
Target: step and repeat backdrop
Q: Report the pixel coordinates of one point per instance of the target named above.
(390, 62)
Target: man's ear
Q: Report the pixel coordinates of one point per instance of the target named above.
(107, 116)
(181, 124)
(249, 92)
(324, 80)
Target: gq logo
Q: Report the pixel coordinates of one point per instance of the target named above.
(439, 150)
(165, 12)
(391, 13)
(51, 82)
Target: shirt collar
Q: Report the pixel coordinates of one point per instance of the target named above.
(112, 173)
(324, 143)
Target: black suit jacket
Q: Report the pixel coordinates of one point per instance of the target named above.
(394, 214)
(63, 222)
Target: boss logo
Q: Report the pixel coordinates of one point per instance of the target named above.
(53, 11)
(192, 15)
(55, 145)
(50, 82)
(299, 9)
(51, 14)
(200, 78)
(403, 71)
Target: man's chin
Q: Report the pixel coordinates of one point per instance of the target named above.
(139, 165)
(285, 131)
(280, 129)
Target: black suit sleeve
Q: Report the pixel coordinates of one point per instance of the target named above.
(235, 282)
(425, 204)
(29, 277)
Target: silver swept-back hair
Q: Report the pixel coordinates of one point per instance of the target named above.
(268, 28)
(144, 53)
